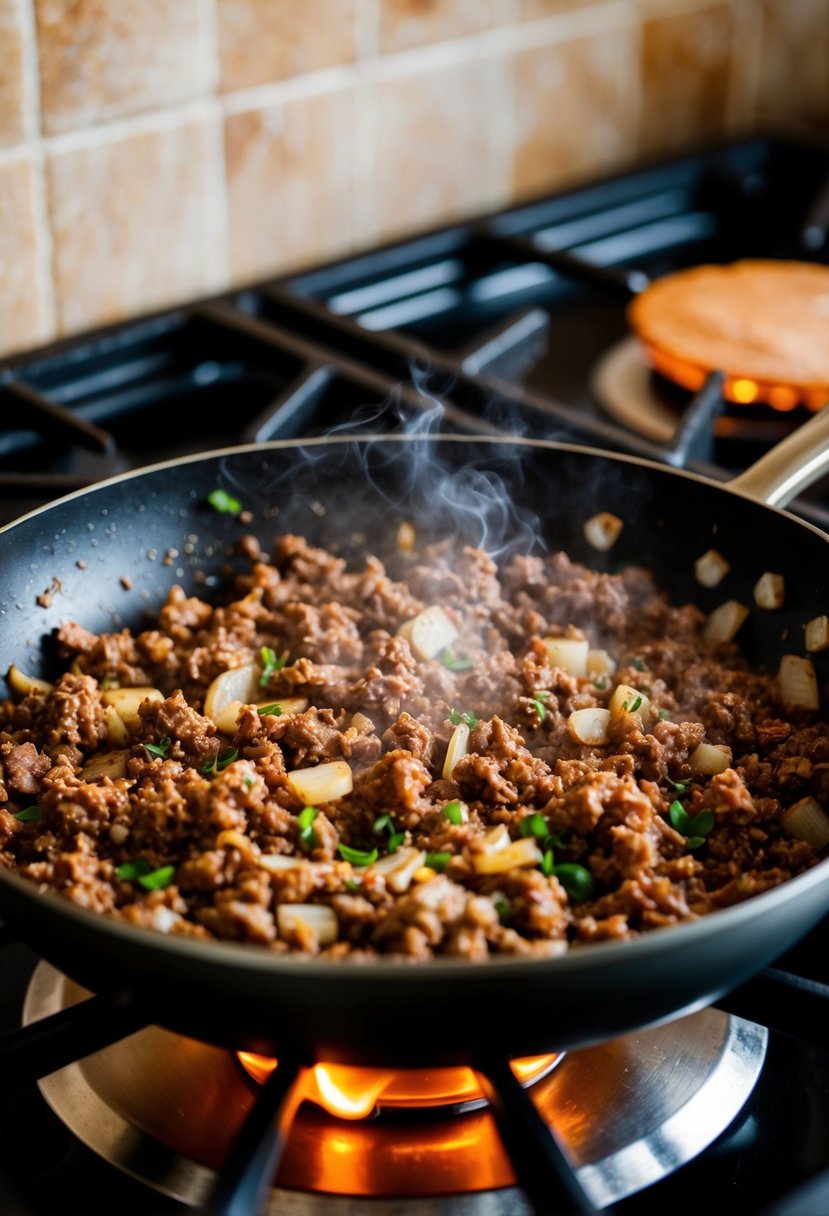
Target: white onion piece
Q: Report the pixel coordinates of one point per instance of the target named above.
(523, 852)
(108, 764)
(457, 749)
(589, 726)
(319, 918)
(603, 530)
(570, 654)
(238, 684)
(798, 683)
(428, 633)
(278, 863)
(808, 821)
(399, 868)
(629, 700)
(362, 723)
(117, 732)
(24, 684)
(125, 702)
(495, 839)
(709, 759)
(711, 568)
(817, 634)
(600, 663)
(325, 783)
(770, 591)
(724, 622)
(227, 720)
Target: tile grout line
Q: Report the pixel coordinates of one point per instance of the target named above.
(45, 266)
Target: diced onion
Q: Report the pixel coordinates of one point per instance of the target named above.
(457, 749)
(570, 654)
(325, 783)
(231, 839)
(495, 839)
(624, 698)
(125, 702)
(117, 732)
(600, 663)
(227, 719)
(711, 568)
(603, 530)
(108, 764)
(278, 863)
(709, 759)
(428, 633)
(589, 726)
(770, 590)
(817, 634)
(406, 537)
(319, 918)
(399, 868)
(239, 684)
(798, 683)
(24, 684)
(808, 821)
(523, 852)
(724, 622)
(362, 723)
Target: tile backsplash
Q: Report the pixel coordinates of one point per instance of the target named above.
(153, 151)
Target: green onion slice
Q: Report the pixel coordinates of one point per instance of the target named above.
(29, 814)
(357, 857)
(270, 664)
(157, 880)
(533, 825)
(161, 748)
(462, 663)
(576, 880)
(274, 709)
(437, 861)
(133, 869)
(224, 503)
(395, 841)
(466, 718)
(383, 823)
(452, 811)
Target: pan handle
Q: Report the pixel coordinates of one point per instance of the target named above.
(790, 467)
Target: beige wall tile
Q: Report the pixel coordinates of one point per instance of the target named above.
(12, 90)
(130, 223)
(576, 110)
(794, 64)
(265, 40)
(101, 59)
(531, 9)
(438, 144)
(685, 77)
(23, 312)
(407, 23)
(290, 174)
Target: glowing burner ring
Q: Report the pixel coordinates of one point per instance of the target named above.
(349, 1092)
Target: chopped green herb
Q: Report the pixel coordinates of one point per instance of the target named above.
(577, 882)
(693, 842)
(247, 780)
(224, 503)
(219, 762)
(274, 709)
(504, 909)
(547, 863)
(453, 812)
(533, 825)
(638, 664)
(461, 663)
(395, 841)
(540, 709)
(543, 694)
(383, 823)
(703, 823)
(437, 861)
(161, 748)
(357, 857)
(30, 814)
(158, 879)
(305, 819)
(133, 869)
(679, 786)
(695, 828)
(679, 817)
(633, 706)
(468, 719)
(350, 885)
(601, 683)
(663, 714)
(270, 664)
(555, 842)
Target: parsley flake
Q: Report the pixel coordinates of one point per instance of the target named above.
(224, 503)
(270, 664)
(540, 709)
(694, 828)
(452, 663)
(161, 748)
(533, 825)
(383, 823)
(219, 762)
(136, 868)
(30, 814)
(157, 880)
(634, 705)
(274, 709)
(467, 719)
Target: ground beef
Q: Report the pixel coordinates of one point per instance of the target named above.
(186, 813)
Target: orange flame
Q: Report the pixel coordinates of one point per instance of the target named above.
(739, 389)
(353, 1093)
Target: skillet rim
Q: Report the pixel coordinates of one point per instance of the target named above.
(241, 955)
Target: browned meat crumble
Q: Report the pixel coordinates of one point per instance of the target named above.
(529, 842)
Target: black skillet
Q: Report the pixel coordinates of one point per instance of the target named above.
(155, 528)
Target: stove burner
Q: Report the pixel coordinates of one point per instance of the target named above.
(624, 386)
(166, 1110)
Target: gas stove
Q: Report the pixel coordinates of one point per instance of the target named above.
(514, 323)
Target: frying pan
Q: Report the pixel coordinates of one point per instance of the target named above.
(154, 527)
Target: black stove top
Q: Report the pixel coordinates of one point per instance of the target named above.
(492, 325)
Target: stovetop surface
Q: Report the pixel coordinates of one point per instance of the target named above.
(493, 324)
